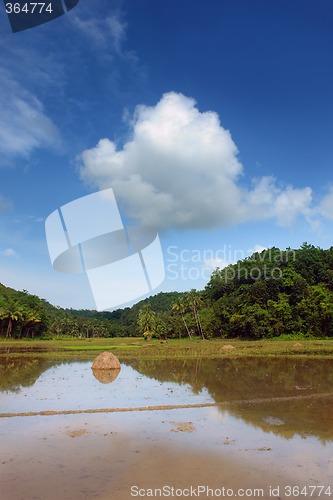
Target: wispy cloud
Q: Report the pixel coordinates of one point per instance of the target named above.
(33, 218)
(8, 252)
(180, 169)
(45, 81)
(118, 32)
(24, 125)
(108, 32)
(94, 28)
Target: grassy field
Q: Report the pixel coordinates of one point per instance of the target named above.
(176, 348)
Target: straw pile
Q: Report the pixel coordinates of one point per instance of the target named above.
(106, 361)
(106, 367)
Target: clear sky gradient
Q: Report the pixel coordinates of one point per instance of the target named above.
(212, 121)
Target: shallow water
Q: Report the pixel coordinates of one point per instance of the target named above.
(73, 386)
(283, 395)
(272, 425)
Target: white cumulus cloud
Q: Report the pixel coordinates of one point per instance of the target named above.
(180, 169)
(267, 200)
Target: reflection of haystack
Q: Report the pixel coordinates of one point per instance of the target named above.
(106, 367)
(106, 376)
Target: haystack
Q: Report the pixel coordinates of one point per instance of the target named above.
(106, 367)
(228, 347)
(106, 361)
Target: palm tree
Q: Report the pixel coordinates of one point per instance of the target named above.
(180, 307)
(31, 320)
(195, 302)
(12, 313)
(147, 322)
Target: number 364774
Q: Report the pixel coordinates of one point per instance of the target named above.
(29, 8)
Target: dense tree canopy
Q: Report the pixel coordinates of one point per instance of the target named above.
(275, 292)
(272, 293)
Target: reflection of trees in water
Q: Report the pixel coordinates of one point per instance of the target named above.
(17, 371)
(305, 417)
(24, 371)
(251, 378)
(236, 379)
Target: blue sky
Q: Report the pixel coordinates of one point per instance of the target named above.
(211, 120)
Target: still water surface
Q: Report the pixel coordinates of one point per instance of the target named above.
(273, 414)
(286, 396)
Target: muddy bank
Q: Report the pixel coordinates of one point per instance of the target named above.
(79, 464)
(103, 456)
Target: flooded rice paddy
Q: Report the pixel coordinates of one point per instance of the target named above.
(255, 425)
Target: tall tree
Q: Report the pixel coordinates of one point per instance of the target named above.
(194, 300)
(31, 321)
(147, 322)
(180, 307)
(12, 313)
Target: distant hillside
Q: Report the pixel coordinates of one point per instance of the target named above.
(26, 315)
(272, 293)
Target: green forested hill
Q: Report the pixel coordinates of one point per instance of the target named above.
(272, 293)
(23, 315)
